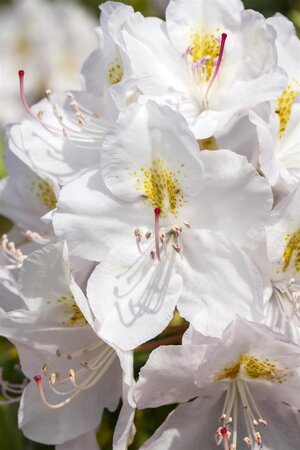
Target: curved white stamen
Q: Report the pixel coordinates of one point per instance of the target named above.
(82, 351)
(138, 233)
(97, 367)
(36, 237)
(39, 384)
(96, 133)
(27, 108)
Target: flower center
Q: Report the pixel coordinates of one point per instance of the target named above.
(252, 367)
(160, 187)
(43, 192)
(206, 48)
(115, 71)
(292, 251)
(204, 57)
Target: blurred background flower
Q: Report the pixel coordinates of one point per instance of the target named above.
(50, 39)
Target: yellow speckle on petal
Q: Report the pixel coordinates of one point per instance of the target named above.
(205, 44)
(161, 188)
(284, 108)
(254, 368)
(292, 251)
(115, 71)
(75, 316)
(22, 46)
(43, 192)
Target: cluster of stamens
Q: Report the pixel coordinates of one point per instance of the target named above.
(239, 391)
(13, 255)
(199, 67)
(90, 128)
(74, 382)
(162, 237)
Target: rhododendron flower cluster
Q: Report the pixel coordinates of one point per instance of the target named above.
(160, 204)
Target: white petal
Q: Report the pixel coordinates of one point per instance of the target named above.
(219, 280)
(155, 62)
(44, 277)
(185, 17)
(86, 441)
(191, 426)
(250, 67)
(168, 376)
(91, 219)
(288, 45)
(234, 199)
(125, 428)
(132, 297)
(25, 197)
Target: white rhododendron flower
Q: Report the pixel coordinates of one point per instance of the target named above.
(62, 135)
(283, 246)
(207, 63)
(277, 255)
(160, 195)
(158, 204)
(278, 133)
(74, 123)
(77, 371)
(242, 391)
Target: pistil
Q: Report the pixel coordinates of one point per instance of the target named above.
(219, 61)
(157, 212)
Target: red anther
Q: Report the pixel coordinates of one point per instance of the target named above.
(223, 430)
(37, 378)
(21, 73)
(157, 211)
